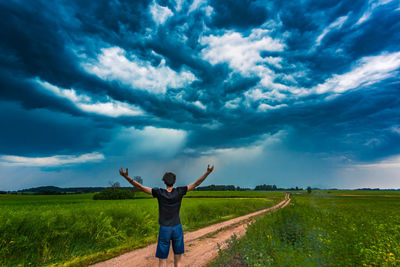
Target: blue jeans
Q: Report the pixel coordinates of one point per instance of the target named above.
(167, 234)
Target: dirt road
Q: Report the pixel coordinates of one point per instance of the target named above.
(201, 246)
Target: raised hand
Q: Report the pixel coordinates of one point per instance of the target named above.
(124, 174)
(140, 187)
(209, 170)
(201, 179)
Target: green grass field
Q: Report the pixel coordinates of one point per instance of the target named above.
(360, 192)
(76, 230)
(224, 194)
(323, 229)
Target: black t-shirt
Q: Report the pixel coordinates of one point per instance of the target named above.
(169, 204)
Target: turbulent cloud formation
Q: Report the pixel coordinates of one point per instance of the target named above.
(112, 65)
(292, 93)
(110, 108)
(50, 161)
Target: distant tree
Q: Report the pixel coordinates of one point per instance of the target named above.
(214, 187)
(265, 187)
(297, 188)
(114, 184)
(113, 193)
(309, 190)
(138, 179)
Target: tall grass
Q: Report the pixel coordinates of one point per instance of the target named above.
(43, 230)
(322, 231)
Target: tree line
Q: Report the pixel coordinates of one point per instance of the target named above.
(53, 190)
(263, 187)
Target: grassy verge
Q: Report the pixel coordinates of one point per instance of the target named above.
(321, 231)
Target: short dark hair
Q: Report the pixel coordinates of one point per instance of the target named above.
(169, 178)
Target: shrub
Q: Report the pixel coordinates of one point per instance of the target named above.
(113, 193)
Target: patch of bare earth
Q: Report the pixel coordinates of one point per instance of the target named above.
(201, 246)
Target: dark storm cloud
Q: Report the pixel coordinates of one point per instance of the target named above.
(42, 132)
(111, 18)
(50, 42)
(307, 21)
(238, 14)
(36, 44)
(14, 87)
(32, 44)
(357, 124)
(381, 33)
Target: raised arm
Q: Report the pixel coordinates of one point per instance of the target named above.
(134, 183)
(201, 179)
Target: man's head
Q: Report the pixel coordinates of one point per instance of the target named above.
(169, 178)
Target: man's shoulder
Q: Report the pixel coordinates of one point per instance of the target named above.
(156, 191)
(159, 189)
(182, 189)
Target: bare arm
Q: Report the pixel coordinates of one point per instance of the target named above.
(201, 179)
(134, 183)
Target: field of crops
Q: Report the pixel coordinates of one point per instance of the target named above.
(45, 230)
(323, 229)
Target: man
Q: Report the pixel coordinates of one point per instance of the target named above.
(169, 204)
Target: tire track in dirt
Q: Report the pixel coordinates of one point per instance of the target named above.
(201, 246)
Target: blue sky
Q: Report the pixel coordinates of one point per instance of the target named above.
(292, 93)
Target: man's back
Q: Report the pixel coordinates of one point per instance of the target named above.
(169, 204)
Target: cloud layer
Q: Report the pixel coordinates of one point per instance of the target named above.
(192, 81)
